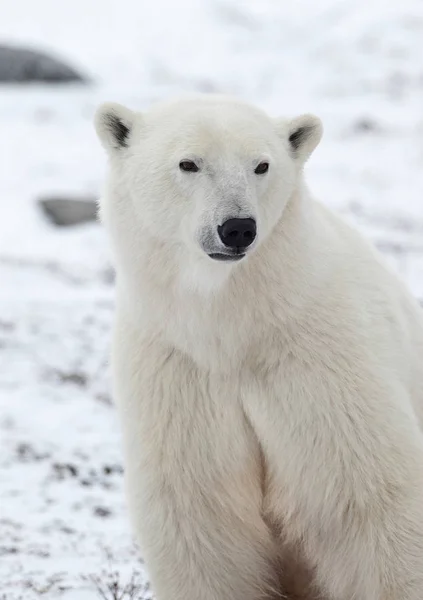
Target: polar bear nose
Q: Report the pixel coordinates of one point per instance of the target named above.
(238, 233)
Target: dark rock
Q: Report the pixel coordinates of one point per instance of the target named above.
(64, 211)
(86, 482)
(104, 399)
(23, 65)
(101, 511)
(366, 125)
(26, 453)
(79, 379)
(110, 469)
(64, 470)
(4, 550)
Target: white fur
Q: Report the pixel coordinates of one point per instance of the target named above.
(272, 408)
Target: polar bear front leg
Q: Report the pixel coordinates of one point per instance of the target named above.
(345, 457)
(193, 475)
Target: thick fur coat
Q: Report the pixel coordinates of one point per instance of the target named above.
(272, 403)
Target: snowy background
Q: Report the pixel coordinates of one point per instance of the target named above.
(356, 63)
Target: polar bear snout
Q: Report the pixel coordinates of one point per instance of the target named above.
(238, 233)
(231, 240)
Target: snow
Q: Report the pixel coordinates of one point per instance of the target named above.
(356, 63)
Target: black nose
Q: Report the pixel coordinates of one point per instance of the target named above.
(237, 233)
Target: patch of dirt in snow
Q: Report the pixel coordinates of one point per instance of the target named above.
(62, 522)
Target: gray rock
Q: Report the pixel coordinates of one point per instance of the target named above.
(367, 125)
(22, 65)
(65, 211)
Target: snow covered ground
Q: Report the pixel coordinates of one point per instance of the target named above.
(356, 63)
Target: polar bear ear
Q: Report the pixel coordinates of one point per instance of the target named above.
(113, 123)
(303, 135)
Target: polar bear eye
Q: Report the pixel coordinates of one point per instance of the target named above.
(188, 166)
(262, 168)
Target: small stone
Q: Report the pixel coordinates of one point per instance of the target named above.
(64, 470)
(111, 469)
(79, 379)
(65, 211)
(101, 511)
(366, 125)
(24, 65)
(4, 550)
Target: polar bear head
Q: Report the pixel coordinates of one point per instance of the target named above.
(206, 177)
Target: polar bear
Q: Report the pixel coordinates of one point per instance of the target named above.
(267, 365)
